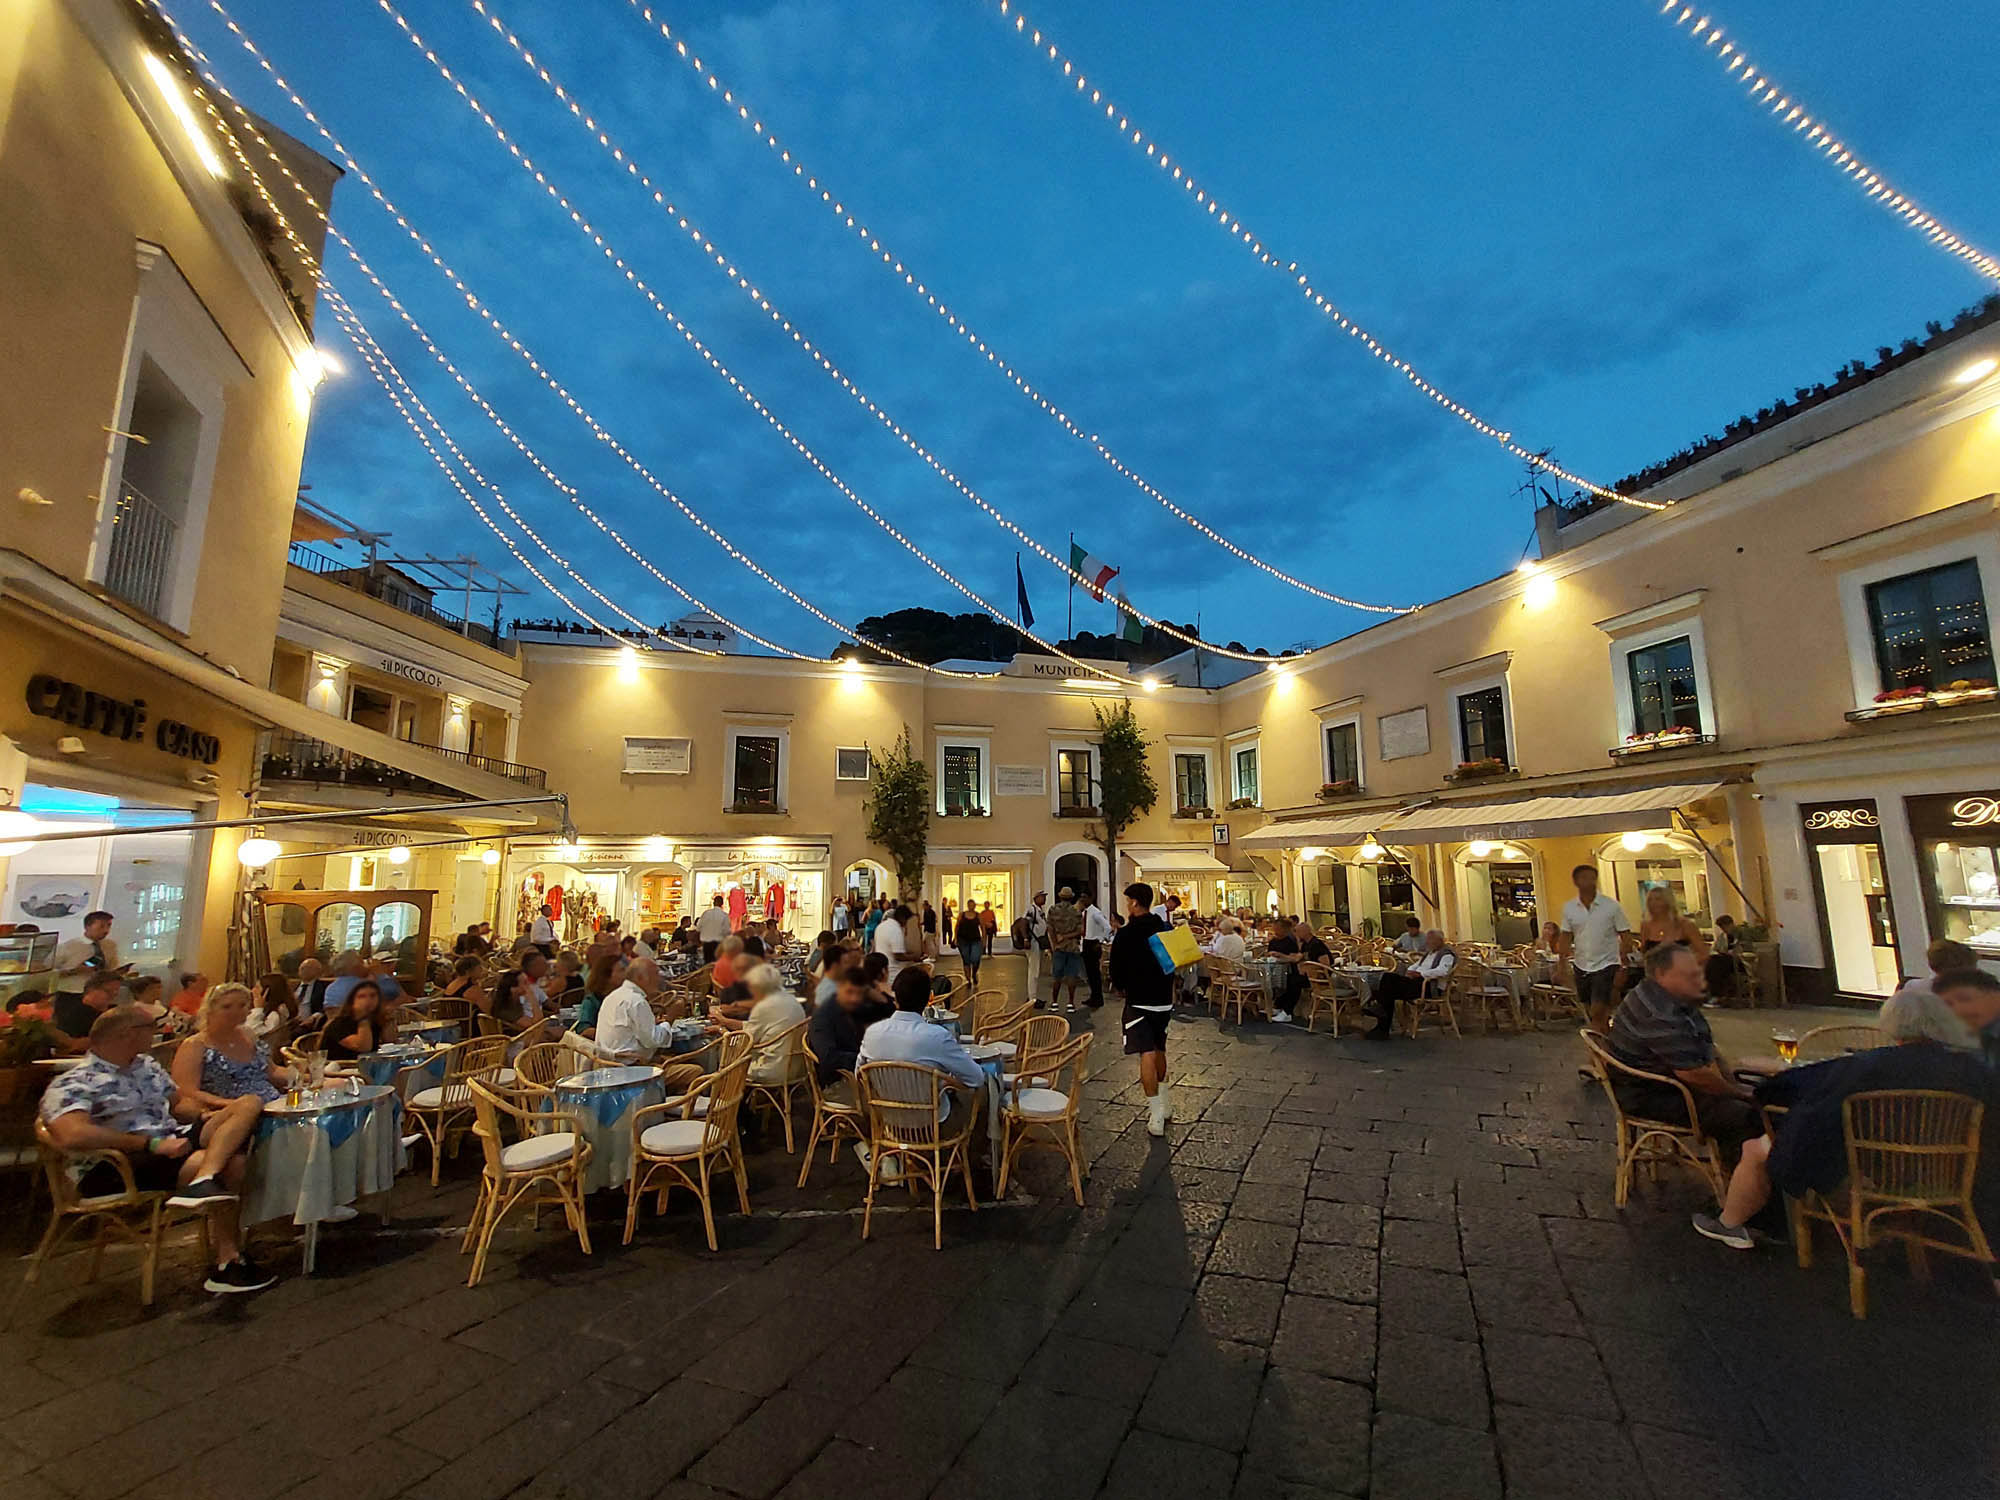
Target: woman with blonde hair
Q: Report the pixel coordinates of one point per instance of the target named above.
(1663, 921)
(223, 1059)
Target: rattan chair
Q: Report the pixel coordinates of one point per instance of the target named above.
(455, 1008)
(711, 1057)
(1230, 987)
(128, 1214)
(1038, 1039)
(444, 1108)
(537, 1067)
(1321, 996)
(905, 1105)
(666, 1143)
(1480, 993)
(550, 1153)
(1434, 999)
(1912, 1155)
(1647, 1142)
(1042, 1114)
(786, 1047)
(1823, 1042)
(1554, 998)
(833, 1116)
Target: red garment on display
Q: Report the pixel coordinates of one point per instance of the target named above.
(774, 902)
(739, 907)
(553, 896)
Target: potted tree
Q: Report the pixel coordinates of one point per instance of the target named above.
(1128, 791)
(899, 810)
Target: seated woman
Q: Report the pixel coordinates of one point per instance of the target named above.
(225, 1059)
(1925, 1046)
(567, 984)
(272, 1011)
(361, 1025)
(772, 1009)
(465, 974)
(508, 1001)
(606, 974)
(875, 975)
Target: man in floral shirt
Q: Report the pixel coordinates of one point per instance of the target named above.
(119, 1102)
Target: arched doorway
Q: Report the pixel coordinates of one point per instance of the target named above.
(1079, 873)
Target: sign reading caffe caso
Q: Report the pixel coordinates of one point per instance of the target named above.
(122, 719)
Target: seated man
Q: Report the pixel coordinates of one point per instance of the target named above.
(1659, 1028)
(1412, 940)
(1432, 968)
(840, 1021)
(119, 1099)
(76, 1011)
(907, 1037)
(1974, 996)
(1285, 948)
(1924, 1046)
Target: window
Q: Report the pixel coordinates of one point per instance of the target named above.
(851, 765)
(959, 780)
(1930, 628)
(754, 769)
(1482, 725)
(1343, 753)
(1073, 780)
(1191, 782)
(1243, 765)
(1665, 694)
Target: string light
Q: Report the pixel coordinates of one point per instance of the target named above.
(722, 371)
(501, 330)
(721, 261)
(1302, 282)
(845, 213)
(1760, 89)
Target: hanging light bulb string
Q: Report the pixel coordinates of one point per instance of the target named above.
(1235, 228)
(721, 370)
(477, 305)
(843, 212)
(1760, 89)
(721, 261)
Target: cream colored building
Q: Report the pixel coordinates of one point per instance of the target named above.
(1685, 698)
(159, 373)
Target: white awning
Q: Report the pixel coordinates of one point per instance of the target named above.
(1515, 819)
(1174, 859)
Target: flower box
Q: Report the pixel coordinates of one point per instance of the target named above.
(963, 812)
(1658, 741)
(1076, 812)
(1481, 770)
(1332, 791)
(770, 808)
(1916, 700)
(1237, 804)
(1196, 813)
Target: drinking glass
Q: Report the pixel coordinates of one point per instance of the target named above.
(317, 1063)
(1787, 1043)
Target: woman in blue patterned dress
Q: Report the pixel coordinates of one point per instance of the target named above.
(223, 1060)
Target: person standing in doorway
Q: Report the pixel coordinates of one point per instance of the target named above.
(1096, 933)
(930, 934)
(1149, 1001)
(989, 927)
(839, 922)
(1594, 934)
(78, 959)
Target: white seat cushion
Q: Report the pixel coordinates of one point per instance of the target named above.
(504, 1079)
(700, 1105)
(538, 1151)
(1041, 1104)
(1008, 1080)
(434, 1097)
(674, 1138)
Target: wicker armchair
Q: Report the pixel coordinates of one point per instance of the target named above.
(785, 1048)
(667, 1144)
(833, 1114)
(1647, 1142)
(1481, 992)
(1038, 1039)
(1554, 998)
(550, 1153)
(905, 1104)
(1434, 1000)
(443, 1113)
(1042, 1114)
(127, 1214)
(1823, 1042)
(1912, 1155)
(1230, 987)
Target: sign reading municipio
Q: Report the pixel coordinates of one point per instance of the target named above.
(122, 719)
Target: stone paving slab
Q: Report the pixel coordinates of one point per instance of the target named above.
(1354, 1269)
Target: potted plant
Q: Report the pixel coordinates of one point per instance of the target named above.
(1076, 812)
(27, 1033)
(1194, 812)
(1346, 787)
(1237, 804)
(1475, 770)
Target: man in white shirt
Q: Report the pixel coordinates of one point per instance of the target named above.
(1228, 940)
(542, 931)
(648, 945)
(1429, 972)
(1593, 935)
(892, 943)
(1096, 933)
(712, 926)
(627, 1032)
(80, 957)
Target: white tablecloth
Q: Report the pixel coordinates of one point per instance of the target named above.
(603, 1100)
(323, 1153)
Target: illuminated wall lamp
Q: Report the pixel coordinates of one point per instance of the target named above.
(255, 852)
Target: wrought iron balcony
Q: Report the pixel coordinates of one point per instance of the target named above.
(299, 758)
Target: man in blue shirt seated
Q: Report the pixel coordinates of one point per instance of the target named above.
(906, 1037)
(1974, 995)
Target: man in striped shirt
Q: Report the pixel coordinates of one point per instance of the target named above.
(1659, 1028)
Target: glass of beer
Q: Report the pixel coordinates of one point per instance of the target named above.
(1787, 1043)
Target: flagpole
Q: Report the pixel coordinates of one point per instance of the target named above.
(1071, 627)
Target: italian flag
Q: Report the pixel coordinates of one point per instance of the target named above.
(1094, 571)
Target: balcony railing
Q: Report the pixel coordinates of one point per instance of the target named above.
(298, 757)
(378, 585)
(142, 550)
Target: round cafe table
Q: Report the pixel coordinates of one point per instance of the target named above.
(603, 1100)
(437, 1033)
(311, 1158)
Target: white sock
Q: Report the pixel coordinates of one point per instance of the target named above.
(1156, 1105)
(1166, 1098)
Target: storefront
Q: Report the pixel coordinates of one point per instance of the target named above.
(656, 881)
(1958, 866)
(965, 879)
(1189, 871)
(1850, 883)
(463, 870)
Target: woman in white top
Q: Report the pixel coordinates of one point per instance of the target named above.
(1228, 939)
(773, 1008)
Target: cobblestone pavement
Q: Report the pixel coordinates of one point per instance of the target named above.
(1387, 1270)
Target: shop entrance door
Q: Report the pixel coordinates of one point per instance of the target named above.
(1856, 920)
(972, 889)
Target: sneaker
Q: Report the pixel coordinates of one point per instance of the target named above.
(1280, 1017)
(1737, 1237)
(239, 1275)
(202, 1193)
(1155, 1126)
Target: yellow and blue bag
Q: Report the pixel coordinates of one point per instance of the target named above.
(1175, 949)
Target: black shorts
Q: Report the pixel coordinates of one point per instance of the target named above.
(153, 1174)
(1145, 1031)
(1594, 986)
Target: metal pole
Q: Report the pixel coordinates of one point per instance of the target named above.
(331, 815)
(1687, 824)
(464, 838)
(1070, 627)
(1390, 855)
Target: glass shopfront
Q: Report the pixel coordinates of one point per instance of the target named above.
(1958, 859)
(1851, 890)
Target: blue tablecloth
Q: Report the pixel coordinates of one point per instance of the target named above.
(603, 1101)
(387, 1067)
(331, 1148)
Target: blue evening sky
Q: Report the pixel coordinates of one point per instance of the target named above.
(1560, 212)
